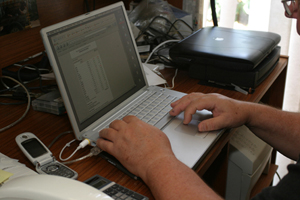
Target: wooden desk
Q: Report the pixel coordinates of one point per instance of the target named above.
(212, 168)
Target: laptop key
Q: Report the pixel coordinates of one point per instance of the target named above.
(151, 109)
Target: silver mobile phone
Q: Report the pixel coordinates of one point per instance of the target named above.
(41, 156)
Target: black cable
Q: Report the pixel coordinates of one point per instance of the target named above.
(12, 96)
(94, 5)
(44, 86)
(162, 35)
(144, 30)
(87, 6)
(167, 61)
(15, 94)
(30, 88)
(163, 58)
(278, 176)
(166, 46)
(213, 12)
(38, 72)
(5, 90)
(17, 103)
(59, 136)
(179, 20)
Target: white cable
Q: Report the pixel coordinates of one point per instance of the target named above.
(79, 159)
(158, 46)
(173, 79)
(67, 145)
(156, 71)
(94, 151)
(28, 104)
(83, 144)
(30, 57)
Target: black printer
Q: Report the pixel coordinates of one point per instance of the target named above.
(225, 57)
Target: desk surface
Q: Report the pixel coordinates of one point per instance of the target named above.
(47, 127)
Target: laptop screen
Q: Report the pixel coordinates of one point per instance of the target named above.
(98, 63)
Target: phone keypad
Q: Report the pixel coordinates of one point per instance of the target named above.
(57, 169)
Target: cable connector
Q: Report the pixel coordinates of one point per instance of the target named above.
(84, 143)
(95, 151)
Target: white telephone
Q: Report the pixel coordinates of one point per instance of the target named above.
(49, 187)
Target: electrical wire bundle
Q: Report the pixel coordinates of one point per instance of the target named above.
(16, 89)
(151, 34)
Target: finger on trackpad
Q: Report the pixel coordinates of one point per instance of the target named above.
(191, 129)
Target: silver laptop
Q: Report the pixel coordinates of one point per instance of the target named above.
(101, 78)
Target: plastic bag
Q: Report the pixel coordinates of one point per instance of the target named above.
(155, 13)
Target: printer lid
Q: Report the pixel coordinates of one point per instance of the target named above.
(226, 48)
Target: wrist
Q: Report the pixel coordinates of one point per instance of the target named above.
(157, 168)
(248, 110)
(254, 112)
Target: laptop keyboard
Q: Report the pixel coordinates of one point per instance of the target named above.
(152, 108)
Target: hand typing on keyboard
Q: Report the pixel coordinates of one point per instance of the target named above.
(132, 136)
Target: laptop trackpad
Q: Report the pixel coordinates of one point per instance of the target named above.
(188, 144)
(192, 127)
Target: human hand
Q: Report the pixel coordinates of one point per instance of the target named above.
(135, 144)
(227, 113)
